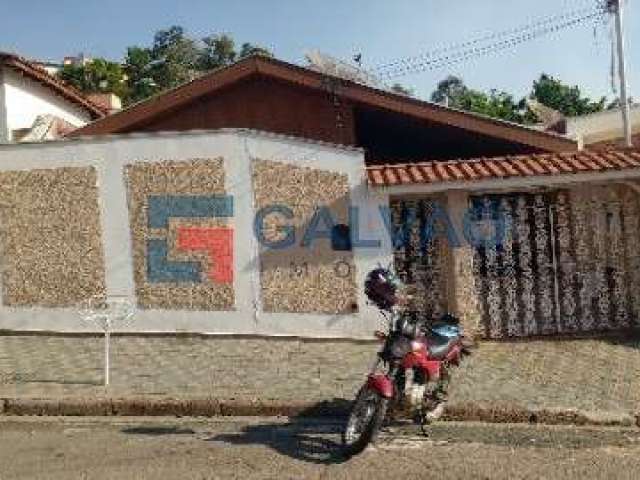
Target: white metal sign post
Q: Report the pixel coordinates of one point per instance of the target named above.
(106, 315)
(107, 345)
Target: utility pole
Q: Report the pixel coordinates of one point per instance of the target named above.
(615, 8)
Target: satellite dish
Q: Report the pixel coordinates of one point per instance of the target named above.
(328, 65)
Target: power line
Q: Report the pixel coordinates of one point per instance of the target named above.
(458, 56)
(485, 38)
(444, 61)
(458, 53)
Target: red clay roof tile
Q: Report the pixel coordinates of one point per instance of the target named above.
(416, 174)
(479, 169)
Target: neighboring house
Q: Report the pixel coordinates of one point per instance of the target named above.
(270, 95)
(28, 91)
(603, 130)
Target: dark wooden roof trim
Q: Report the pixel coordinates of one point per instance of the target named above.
(150, 108)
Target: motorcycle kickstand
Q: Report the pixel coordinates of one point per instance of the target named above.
(420, 418)
(424, 423)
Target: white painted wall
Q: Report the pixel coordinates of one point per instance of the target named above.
(602, 126)
(25, 99)
(109, 155)
(4, 131)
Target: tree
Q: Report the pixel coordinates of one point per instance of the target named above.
(96, 76)
(218, 51)
(567, 100)
(249, 49)
(174, 58)
(402, 90)
(137, 67)
(449, 89)
(552, 93)
(497, 104)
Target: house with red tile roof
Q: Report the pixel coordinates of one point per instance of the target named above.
(518, 231)
(29, 94)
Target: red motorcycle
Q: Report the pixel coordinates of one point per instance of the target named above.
(416, 355)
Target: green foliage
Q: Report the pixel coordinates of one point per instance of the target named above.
(249, 49)
(100, 75)
(218, 51)
(497, 104)
(173, 59)
(548, 91)
(137, 67)
(567, 100)
(449, 90)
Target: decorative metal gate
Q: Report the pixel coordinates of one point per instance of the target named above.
(568, 262)
(421, 259)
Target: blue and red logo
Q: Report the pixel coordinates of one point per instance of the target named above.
(215, 242)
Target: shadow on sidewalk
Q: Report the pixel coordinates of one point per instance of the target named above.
(629, 339)
(157, 431)
(304, 439)
(313, 435)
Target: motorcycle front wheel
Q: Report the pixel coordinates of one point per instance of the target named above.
(367, 414)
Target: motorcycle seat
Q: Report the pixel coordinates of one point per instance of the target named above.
(439, 346)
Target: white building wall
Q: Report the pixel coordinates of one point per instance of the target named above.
(602, 126)
(4, 131)
(25, 99)
(109, 155)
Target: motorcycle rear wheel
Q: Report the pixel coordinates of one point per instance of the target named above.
(367, 414)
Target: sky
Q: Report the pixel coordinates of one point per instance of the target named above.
(382, 30)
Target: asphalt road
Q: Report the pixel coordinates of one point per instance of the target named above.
(264, 448)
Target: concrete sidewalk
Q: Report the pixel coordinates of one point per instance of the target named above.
(571, 379)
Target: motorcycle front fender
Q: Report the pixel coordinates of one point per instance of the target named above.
(381, 384)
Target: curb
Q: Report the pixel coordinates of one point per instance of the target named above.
(515, 414)
(208, 407)
(137, 406)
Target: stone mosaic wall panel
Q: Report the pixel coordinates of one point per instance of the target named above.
(298, 279)
(52, 253)
(182, 229)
